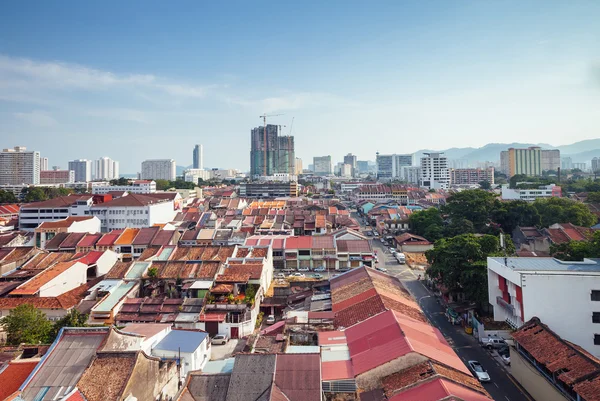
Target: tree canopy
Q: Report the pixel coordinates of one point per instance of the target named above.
(38, 194)
(459, 263)
(26, 324)
(7, 197)
(577, 250)
(563, 210)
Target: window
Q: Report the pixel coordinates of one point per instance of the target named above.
(595, 317)
(596, 339)
(595, 295)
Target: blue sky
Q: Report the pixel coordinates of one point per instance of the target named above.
(150, 79)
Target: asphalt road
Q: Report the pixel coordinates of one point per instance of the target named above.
(503, 387)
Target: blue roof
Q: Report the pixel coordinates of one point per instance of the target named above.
(548, 264)
(186, 341)
(221, 366)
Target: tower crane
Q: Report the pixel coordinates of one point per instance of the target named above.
(264, 117)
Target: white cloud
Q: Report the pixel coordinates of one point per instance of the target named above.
(37, 118)
(122, 114)
(35, 75)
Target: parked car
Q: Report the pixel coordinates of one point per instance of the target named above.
(304, 269)
(504, 354)
(392, 251)
(280, 276)
(270, 319)
(220, 339)
(369, 234)
(321, 269)
(479, 372)
(336, 275)
(400, 257)
(317, 276)
(493, 342)
(343, 269)
(382, 240)
(381, 269)
(296, 275)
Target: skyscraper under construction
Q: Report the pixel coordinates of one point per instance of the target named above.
(271, 153)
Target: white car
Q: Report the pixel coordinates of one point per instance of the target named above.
(381, 269)
(297, 275)
(270, 319)
(304, 269)
(220, 339)
(479, 372)
(280, 276)
(392, 251)
(320, 269)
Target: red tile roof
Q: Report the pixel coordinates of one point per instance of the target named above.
(298, 376)
(108, 239)
(570, 363)
(32, 286)
(71, 241)
(133, 200)
(302, 242)
(145, 236)
(89, 240)
(60, 201)
(64, 223)
(322, 242)
(337, 370)
(13, 376)
(354, 246)
(439, 389)
(64, 301)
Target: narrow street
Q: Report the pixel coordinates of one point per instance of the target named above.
(502, 387)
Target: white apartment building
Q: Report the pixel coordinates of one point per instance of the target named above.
(106, 169)
(82, 169)
(322, 165)
(410, 174)
(224, 174)
(158, 169)
(43, 163)
(563, 295)
(134, 210)
(33, 214)
(529, 195)
(136, 187)
(194, 174)
(434, 171)
(390, 166)
(19, 166)
(298, 166)
(351, 186)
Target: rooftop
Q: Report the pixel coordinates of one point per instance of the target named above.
(107, 376)
(548, 264)
(13, 376)
(32, 286)
(183, 340)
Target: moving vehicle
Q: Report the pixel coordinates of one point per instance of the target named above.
(304, 269)
(479, 372)
(296, 275)
(343, 269)
(321, 269)
(280, 276)
(270, 319)
(400, 257)
(382, 240)
(392, 251)
(381, 269)
(504, 354)
(317, 276)
(220, 339)
(493, 342)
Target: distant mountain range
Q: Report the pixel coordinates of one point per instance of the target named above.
(580, 152)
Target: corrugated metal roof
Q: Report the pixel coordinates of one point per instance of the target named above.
(548, 264)
(108, 303)
(186, 341)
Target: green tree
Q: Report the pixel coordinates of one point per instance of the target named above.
(459, 263)
(427, 223)
(71, 319)
(577, 250)
(518, 213)
(34, 194)
(562, 210)
(474, 205)
(458, 226)
(162, 185)
(7, 197)
(26, 324)
(593, 197)
(485, 184)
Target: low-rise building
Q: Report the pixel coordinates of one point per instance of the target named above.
(73, 224)
(57, 176)
(268, 189)
(32, 215)
(544, 191)
(562, 294)
(191, 348)
(135, 187)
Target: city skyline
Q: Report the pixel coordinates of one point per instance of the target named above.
(453, 74)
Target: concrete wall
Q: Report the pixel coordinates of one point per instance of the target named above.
(190, 360)
(161, 213)
(71, 278)
(151, 378)
(106, 262)
(91, 226)
(532, 380)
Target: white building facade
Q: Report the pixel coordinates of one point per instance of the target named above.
(322, 165)
(390, 166)
(106, 169)
(136, 187)
(158, 169)
(563, 295)
(434, 171)
(19, 166)
(194, 174)
(34, 214)
(82, 169)
(136, 211)
(529, 195)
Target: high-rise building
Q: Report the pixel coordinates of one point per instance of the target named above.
(43, 163)
(390, 166)
(298, 166)
(434, 171)
(595, 165)
(352, 161)
(159, 169)
(19, 166)
(410, 174)
(271, 153)
(106, 169)
(531, 161)
(566, 163)
(363, 166)
(198, 159)
(82, 169)
(322, 165)
(471, 176)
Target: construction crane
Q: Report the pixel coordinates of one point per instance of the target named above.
(264, 117)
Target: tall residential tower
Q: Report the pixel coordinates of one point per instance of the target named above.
(198, 159)
(271, 153)
(19, 166)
